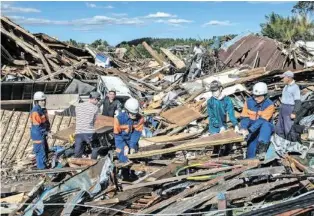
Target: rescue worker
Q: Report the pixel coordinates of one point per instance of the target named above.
(40, 127)
(218, 107)
(111, 105)
(196, 67)
(86, 114)
(128, 126)
(256, 119)
(290, 105)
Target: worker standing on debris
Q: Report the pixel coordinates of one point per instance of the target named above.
(40, 129)
(256, 119)
(196, 67)
(128, 126)
(218, 106)
(290, 105)
(111, 105)
(86, 114)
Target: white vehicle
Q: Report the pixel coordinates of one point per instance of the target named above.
(106, 83)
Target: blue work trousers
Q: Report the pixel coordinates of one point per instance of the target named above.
(120, 146)
(41, 152)
(81, 140)
(259, 137)
(284, 124)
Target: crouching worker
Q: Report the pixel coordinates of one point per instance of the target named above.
(218, 107)
(256, 120)
(86, 114)
(127, 130)
(40, 128)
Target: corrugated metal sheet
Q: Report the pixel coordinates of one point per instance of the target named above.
(245, 50)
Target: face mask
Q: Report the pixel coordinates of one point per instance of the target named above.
(216, 94)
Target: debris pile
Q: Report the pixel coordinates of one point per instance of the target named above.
(175, 170)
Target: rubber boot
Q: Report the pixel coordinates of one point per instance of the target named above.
(261, 150)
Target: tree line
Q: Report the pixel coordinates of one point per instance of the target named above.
(298, 26)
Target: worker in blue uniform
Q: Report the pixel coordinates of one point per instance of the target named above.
(256, 121)
(128, 126)
(218, 107)
(40, 127)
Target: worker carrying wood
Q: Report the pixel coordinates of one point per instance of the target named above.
(290, 105)
(40, 127)
(86, 114)
(256, 120)
(111, 106)
(127, 129)
(218, 107)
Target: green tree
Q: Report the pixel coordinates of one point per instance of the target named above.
(288, 29)
(303, 7)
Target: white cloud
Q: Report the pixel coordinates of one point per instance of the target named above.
(94, 22)
(160, 15)
(174, 22)
(7, 8)
(218, 23)
(92, 5)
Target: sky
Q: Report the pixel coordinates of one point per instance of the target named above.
(115, 22)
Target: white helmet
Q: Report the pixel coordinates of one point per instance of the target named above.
(132, 105)
(260, 89)
(38, 96)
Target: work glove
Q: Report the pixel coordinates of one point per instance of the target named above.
(126, 150)
(222, 129)
(236, 129)
(244, 133)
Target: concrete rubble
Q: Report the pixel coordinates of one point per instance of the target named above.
(175, 170)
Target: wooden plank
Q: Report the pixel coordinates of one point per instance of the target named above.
(55, 128)
(216, 139)
(187, 192)
(102, 122)
(5, 122)
(5, 143)
(16, 102)
(7, 156)
(176, 61)
(13, 198)
(263, 171)
(43, 45)
(103, 202)
(153, 53)
(64, 124)
(181, 115)
(43, 60)
(178, 178)
(20, 43)
(24, 141)
(63, 70)
(167, 138)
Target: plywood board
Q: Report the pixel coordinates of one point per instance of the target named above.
(10, 132)
(181, 115)
(101, 123)
(167, 138)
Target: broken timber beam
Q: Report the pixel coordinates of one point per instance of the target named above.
(178, 178)
(43, 45)
(63, 70)
(82, 161)
(217, 139)
(176, 61)
(153, 53)
(43, 60)
(20, 43)
(155, 72)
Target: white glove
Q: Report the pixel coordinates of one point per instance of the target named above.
(222, 129)
(236, 129)
(244, 133)
(126, 150)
